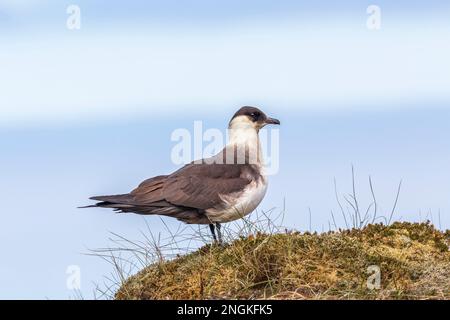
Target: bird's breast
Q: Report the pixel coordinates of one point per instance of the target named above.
(239, 204)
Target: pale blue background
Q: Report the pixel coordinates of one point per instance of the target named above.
(91, 111)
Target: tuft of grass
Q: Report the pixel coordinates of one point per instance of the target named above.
(413, 260)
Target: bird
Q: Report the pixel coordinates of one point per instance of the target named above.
(211, 191)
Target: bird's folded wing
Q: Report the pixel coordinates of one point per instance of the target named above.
(149, 191)
(195, 185)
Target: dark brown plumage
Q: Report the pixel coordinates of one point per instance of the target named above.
(186, 193)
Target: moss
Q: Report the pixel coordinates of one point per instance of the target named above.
(413, 259)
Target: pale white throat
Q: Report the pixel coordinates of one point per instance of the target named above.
(243, 134)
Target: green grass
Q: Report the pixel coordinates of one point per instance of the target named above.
(413, 259)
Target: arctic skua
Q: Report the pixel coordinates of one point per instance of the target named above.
(222, 188)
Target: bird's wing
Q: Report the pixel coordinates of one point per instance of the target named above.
(195, 185)
(149, 191)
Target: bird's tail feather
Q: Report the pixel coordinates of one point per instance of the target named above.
(118, 198)
(114, 201)
(127, 203)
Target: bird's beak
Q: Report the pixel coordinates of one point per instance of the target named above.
(272, 121)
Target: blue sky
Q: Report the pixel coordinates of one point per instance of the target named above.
(81, 113)
(290, 56)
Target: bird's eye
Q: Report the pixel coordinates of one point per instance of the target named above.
(255, 115)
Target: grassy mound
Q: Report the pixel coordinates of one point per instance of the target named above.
(413, 260)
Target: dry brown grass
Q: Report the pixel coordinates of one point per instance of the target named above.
(414, 260)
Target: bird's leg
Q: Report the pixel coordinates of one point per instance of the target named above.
(219, 233)
(212, 228)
